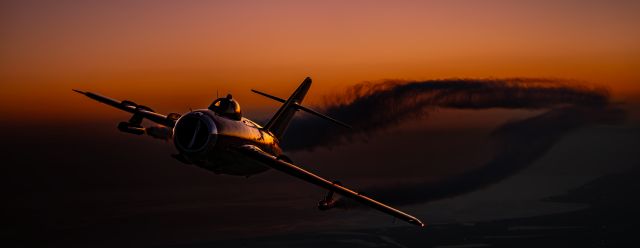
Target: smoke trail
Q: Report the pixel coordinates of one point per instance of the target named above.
(370, 107)
(373, 107)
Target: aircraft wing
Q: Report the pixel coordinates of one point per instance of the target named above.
(128, 106)
(257, 154)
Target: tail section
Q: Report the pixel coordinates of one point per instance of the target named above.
(280, 121)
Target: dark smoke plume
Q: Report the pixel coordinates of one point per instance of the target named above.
(370, 107)
(373, 107)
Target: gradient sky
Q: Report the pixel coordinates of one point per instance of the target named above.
(72, 177)
(173, 55)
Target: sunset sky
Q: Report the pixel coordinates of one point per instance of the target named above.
(173, 55)
(453, 156)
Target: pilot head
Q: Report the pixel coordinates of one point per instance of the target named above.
(227, 107)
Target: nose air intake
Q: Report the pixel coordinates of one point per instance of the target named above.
(192, 132)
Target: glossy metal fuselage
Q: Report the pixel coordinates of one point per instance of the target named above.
(205, 139)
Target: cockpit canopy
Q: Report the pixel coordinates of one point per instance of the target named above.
(227, 107)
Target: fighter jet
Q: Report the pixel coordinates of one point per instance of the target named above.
(221, 140)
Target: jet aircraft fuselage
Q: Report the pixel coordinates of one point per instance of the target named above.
(205, 139)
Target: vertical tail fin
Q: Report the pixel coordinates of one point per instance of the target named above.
(280, 121)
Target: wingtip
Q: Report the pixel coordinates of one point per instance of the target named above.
(346, 126)
(417, 222)
(79, 91)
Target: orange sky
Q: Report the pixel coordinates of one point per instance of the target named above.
(172, 55)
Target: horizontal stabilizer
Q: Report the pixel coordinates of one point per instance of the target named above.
(297, 106)
(269, 96)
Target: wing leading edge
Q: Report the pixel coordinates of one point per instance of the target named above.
(257, 154)
(131, 107)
